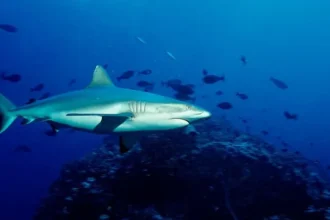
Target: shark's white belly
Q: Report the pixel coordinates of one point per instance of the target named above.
(95, 124)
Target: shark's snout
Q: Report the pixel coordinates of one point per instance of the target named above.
(197, 116)
(205, 115)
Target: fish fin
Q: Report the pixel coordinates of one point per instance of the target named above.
(27, 120)
(6, 118)
(32, 100)
(53, 126)
(127, 142)
(100, 78)
(125, 114)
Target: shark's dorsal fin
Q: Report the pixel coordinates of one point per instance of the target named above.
(100, 78)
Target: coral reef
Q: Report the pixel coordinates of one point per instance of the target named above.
(220, 173)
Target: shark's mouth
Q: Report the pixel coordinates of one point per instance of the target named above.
(182, 120)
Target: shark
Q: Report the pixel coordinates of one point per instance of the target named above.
(104, 108)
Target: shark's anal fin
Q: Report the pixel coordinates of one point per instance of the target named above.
(127, 142)
(100, 78)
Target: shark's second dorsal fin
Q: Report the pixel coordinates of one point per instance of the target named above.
(100, 78)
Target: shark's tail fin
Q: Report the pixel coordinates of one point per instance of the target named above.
(6, 119)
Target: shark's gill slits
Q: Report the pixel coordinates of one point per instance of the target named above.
(137, 107)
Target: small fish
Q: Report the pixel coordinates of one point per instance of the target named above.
(8, 28)
(11, 77)
(32, 100)
(141, 40)
(284, 150)
(37, 88)
(184, 97)
(243, 60)
(144, 83)
(71, 82)
(285, 144)
(45, 96)
(264, 132)
(210, 79)
(171, 55)
(171, 82)
(23, 148)
(184, 89)
(219, 92)
(278, 83)
(225, 105)
(126, 75)
(328, 167)
(290, 116)
(243, 120)
(205, 72)
(105, 66)
(146, 72)
(297, 153)
(242, 96)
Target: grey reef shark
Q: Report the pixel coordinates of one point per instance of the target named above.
(104, 108)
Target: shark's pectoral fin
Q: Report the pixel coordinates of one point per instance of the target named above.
(26, 121)
(127, 142)
(100, 78)
(54, 127)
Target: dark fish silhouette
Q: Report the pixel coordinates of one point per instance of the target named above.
(8, 28)
(148, 86)
(210, 79)
(184, 97)
(11, 77)
(278, 83)
(225, 105)
(23, 148)
(290, 116)
(146, 72)
(71, 82)
(285, 144)
(38, 87)
(105, 66)
(264, 132)
(205, 72)
(243, 120)
(45, 96)
(183, 89)
(126, 75)
(243, 60)
(242, 96)
(32, 100)
(144, 83)
(284, 150)
(219, 92)
(172, 82)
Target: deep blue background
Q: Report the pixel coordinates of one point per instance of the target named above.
(60, 40)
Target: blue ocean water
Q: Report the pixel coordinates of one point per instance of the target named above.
(62, 40)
